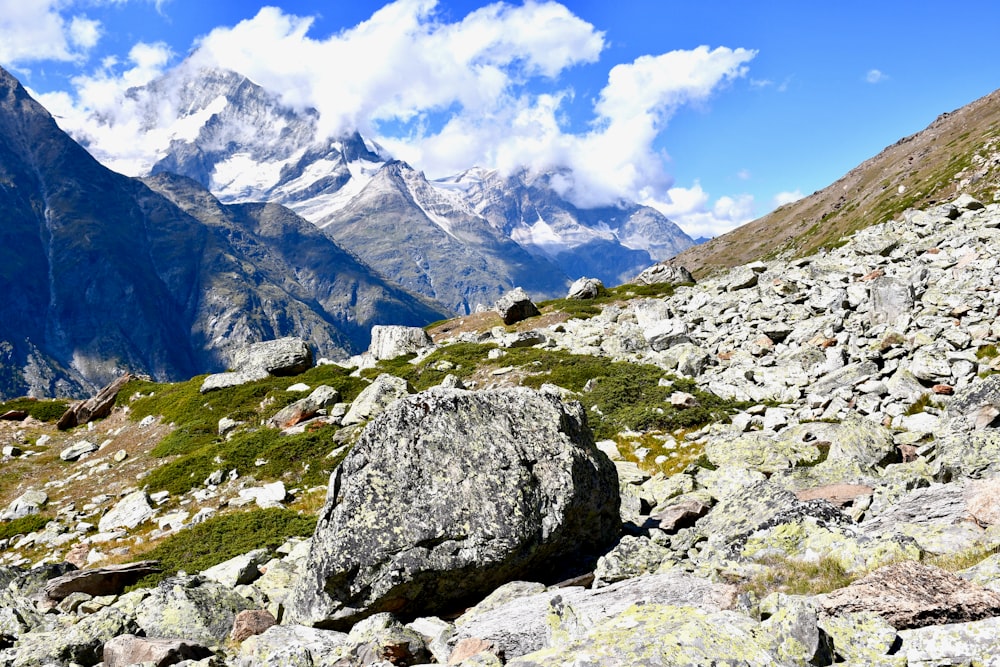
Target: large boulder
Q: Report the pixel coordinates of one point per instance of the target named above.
(449, 494)
(664, 273)
(389, 342)
(283, 356)
(96, 407)
(515, 306)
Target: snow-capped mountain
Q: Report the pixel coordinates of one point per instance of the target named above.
(462, 240)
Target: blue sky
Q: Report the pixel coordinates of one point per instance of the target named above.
(711, 111)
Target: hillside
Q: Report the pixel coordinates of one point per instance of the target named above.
(795, 462)
(958, 152)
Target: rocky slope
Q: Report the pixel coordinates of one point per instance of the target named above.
(103, 274)
(958, 152)
(239, 141)
(806, 455)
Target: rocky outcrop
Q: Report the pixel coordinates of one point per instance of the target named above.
(515, 306)
(520, 491)
(912, 595)
(95, 407)
(284, 356)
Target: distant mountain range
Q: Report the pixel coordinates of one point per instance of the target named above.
(102, 273)
(461, 241)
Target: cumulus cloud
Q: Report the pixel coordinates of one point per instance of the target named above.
(443, 95)
(783, 198)
(876, 76)
(692, 208)
(38, 30)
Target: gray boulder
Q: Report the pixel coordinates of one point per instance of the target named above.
(389, 342)
(284, 356)
(585, 288)
(515, 306)
(191, 607)
(664, 273)
(374, 398)
(289, 646)
(473, 489)
(530, 622)
(128, 649)
(305, 408)
(30, 502)
(130, 511)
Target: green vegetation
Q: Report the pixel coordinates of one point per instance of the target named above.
(42, 410)
(263, 453)
(300, 458)
(619, 396)
(964, 559)
(220, 538)
(921, 404)
(797, 577)
(23, 526)
(987, 352)
(586, 308)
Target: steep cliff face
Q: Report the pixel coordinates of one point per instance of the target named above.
(102, 275)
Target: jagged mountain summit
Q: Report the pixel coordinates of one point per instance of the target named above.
(242, 143)
(105, 275)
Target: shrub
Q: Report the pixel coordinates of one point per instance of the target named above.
(220, 538)
(22, 526)
(42, 410)
(302, 458)
(797, 577)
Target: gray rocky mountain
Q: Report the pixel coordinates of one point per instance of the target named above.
(104, 275)
(461, 241)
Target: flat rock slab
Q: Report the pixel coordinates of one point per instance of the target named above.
(110, 580)
(125, 650)
(912, 595)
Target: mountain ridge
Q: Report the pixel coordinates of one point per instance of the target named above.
(105, 275)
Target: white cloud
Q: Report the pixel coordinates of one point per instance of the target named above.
(84, 32)
(783, 198)
(36, 30)
(876, 76)
(744, 175)
(101, 117)
(444, 95)
(692, 209)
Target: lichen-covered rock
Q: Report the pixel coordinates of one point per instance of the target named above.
(761, 506)
(529, 623)
(391, 341)
(289, 646)
(374, 398)
(859, 637)
(761, 452)
(82, 643)
(973, 643)
(631, 557)
(449, 494)
(791, 632)
(515, 306)
(381, 639)
(190, 607)
(655, 634)
(912, 595)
